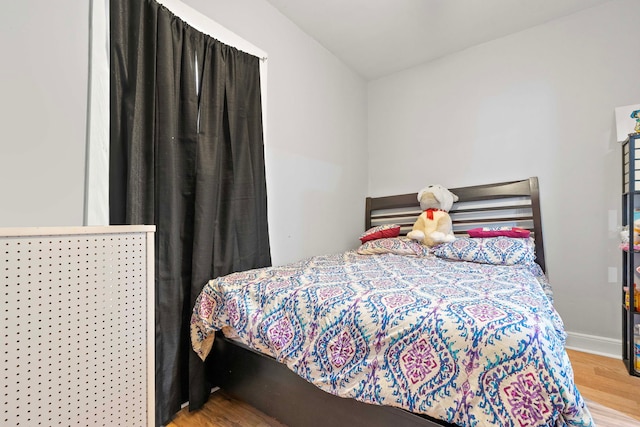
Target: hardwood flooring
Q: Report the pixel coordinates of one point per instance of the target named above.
(600, 379)
(221, 410)
(606, 381)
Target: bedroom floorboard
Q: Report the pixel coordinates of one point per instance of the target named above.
(600, 379)
(606, 381)
(221, 410)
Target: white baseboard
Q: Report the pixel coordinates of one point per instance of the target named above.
(601, 346)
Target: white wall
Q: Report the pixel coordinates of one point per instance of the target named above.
(537, 103)
(316, 155)
(43, 82)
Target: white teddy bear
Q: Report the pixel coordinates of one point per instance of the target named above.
(434, 226)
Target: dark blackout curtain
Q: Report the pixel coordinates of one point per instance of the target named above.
(186, 155)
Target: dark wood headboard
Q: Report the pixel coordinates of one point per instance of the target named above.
(515, 203)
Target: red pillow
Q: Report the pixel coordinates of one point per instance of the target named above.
(380, 232)
(499, 231)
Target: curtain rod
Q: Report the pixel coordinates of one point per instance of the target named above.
(207, 25)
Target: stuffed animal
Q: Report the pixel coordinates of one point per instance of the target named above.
(636, 115)
(434, 226)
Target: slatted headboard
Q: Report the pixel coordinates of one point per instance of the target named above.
(515, 203)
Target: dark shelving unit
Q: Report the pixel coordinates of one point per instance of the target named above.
(631, 258)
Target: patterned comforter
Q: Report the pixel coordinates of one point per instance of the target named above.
(467, 343)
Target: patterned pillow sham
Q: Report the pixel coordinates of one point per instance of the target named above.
(493, 250)
(380, 232)
(394, 245)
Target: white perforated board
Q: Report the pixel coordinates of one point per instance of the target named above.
(76, 336)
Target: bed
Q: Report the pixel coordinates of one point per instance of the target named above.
(393, 333)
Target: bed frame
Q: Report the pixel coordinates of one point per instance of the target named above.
(272, 388)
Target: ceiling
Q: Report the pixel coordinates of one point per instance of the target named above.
(379, 37)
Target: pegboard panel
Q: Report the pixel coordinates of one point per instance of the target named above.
(75, 328)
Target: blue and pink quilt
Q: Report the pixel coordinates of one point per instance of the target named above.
(471, 344)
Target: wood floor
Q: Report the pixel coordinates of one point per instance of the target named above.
(599, 379)
(606, 381)
(222, 410)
